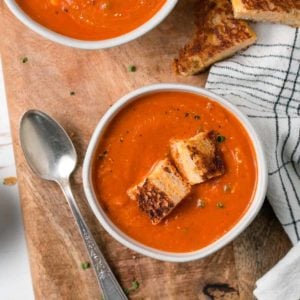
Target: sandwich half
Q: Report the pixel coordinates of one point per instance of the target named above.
(198, 158)
(218, 35)
(276, 11)
(159, 193)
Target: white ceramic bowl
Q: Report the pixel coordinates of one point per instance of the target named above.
(137, 246)
(90, 45)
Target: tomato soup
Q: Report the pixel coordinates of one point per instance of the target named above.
(91, 19)
(139, 136)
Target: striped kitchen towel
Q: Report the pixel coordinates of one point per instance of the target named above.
(264, 83)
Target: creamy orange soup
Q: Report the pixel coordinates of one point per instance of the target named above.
(139, 136)
(91, 19)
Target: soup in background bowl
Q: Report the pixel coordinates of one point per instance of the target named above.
(135, 133)
(91, 24)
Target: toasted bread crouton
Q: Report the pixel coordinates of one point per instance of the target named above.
(276, 11)
(161, 191)
(218, 35)
(198, 158)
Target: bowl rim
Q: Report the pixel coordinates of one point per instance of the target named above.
(115, 232)
(49, 34)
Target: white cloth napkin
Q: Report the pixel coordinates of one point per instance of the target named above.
(264, 83)
(283, 281)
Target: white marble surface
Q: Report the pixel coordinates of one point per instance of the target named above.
(15, 278)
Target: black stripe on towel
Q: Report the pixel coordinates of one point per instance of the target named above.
(252, 74)
(293, 163)
(277, 139)
(251, 108)
(275, 45)
(292, 157)
(250, 80)
(255, 97)
(250, 87)
(240, 96)
(287, 138)
(265, 117)
(266, 56)
(261, 68)
(291, 223)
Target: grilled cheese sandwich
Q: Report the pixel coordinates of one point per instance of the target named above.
(218, 35)
(159, 193)
(198, 158)
(276, 11)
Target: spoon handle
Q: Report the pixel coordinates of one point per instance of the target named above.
(109, 284)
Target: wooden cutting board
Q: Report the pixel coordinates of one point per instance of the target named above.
(99, 78)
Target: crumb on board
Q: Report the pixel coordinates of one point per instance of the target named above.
(10, 181)
(24, 59)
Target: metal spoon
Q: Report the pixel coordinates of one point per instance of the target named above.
(51, 155)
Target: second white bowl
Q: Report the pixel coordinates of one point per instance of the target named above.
(91, 45)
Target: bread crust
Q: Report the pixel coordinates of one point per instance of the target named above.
(155, 203)
(218, 35)
(198, 158)
(159, 193)
(276, 11)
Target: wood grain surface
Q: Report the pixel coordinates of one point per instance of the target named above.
(99, 78)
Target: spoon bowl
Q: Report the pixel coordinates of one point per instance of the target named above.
(48, 149)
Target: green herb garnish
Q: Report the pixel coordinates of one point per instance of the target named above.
(85, 265)
(134, 286)
(220, 204)
(131, 68)
(220, 138)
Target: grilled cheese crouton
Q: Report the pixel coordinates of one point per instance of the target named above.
(218, 35)
(277, 11)
(161, 191)
(198, 158)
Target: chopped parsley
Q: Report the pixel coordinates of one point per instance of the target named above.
(220, 204)
(221, 138)
(134, 286)
(85, 265)
(131, 68)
